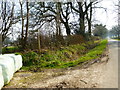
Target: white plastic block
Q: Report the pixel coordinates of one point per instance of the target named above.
(1, 78)
(8, 68)
(8, 54)
(17, 60)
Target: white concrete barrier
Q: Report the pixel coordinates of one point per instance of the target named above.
(17, 60)
(1, 78)
(8, 68)
(9, 63)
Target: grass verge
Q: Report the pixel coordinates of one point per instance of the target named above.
(66, 57)
(92, 54)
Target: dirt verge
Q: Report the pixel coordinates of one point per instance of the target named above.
(81, 76)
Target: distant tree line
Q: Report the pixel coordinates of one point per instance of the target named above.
(115, 32)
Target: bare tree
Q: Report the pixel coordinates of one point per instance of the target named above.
(22, 16)
(58, 29)
(118, 12)
(27, 23)
(65, 17)
(89, 18)
(82, 13)
(8, 18)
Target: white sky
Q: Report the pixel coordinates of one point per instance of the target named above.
(110, 17)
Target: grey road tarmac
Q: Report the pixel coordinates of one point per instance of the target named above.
(110, 77)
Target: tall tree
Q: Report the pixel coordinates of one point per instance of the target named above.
(53, 11)
(82, 11)
(100, 30)
(89, 18)
(24, 16)
(65, 9)
(22, 20)
(58, 12)
(118, 12)
(8, 18)
(27, 23)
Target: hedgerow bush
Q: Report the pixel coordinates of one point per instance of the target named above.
(64, 57)
(30, 58)
(10, 49)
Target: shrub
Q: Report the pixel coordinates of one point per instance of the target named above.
(10, 49)
(65, 57)
(75, 39)
(30, 58)
(96, 38)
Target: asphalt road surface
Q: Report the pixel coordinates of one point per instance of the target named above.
(110, 77)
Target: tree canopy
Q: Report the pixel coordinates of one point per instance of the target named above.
(100, 30)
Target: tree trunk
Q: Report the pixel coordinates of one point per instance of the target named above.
(89, 20)
(58, 29)
(39, 45)
(68, 31)
(82, 24)
(27, 24)
(22, 34)
(89, 28)
(81, 19)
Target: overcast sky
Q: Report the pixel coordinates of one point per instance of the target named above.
(109, 18)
